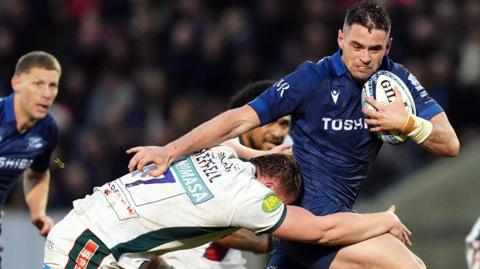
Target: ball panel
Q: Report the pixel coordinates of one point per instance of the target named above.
(380, 87)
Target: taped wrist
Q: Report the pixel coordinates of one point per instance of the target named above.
(417, 129)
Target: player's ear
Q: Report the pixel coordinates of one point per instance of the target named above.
(389, 45)
(340, 39)
(15, 82)
(271, 185)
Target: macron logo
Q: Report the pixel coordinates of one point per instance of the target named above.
(335, 95)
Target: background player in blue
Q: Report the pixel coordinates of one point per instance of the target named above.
(333, 144)
(28, 134)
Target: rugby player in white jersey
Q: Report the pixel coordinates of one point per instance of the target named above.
(200, 198)
(226, 252)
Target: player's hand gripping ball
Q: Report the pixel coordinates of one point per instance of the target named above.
(380, 87)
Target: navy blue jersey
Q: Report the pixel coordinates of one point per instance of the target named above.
(332, 144)
(20, 151)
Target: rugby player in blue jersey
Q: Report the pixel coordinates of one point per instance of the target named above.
(334, 143)
(28, 133)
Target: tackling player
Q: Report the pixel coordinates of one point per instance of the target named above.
(201, 197)
(225, 253)
(333, 143)
(28, 133)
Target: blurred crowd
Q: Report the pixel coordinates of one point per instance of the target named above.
(139, 72)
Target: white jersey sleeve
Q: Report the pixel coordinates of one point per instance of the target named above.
(259, 210)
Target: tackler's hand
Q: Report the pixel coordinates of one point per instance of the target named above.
(145, 155)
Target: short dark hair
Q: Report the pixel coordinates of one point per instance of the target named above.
(248, 93)
(370, 14)
(39, 59)
(282, 167)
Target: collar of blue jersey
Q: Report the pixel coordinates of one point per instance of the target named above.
(340, 68)
(8, 108)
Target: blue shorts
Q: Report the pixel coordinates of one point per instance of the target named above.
(297, 255)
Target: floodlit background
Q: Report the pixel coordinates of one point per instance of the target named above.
(144, 72)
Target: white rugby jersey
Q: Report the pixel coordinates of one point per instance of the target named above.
(211, 256)
(201, 198)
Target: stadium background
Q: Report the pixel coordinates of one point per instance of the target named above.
(144, 72)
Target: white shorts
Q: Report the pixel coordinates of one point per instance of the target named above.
(194, 259)
(71, 245)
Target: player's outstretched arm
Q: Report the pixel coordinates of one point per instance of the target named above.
(244, 239)
(249, 153)
(340, 228)
(36, 186)
(225, 126)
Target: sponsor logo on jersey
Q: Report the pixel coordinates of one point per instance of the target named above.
(34, 142)
(344, 124)
(281, 86)
(118, 201)
(271, 202)
(191, 181)
(420, 89)
(15, 163)
(335, 93)
(85, 255)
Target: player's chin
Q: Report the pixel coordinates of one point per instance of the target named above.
(40, 115)
(362, 76)
(268, 145)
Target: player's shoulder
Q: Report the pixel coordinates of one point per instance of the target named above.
(317, 70)
(47, 127)
(397, 68)
(49, 122)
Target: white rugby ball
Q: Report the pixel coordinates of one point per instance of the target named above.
(380, 87)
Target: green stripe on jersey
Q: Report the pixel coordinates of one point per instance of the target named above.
(146, 242)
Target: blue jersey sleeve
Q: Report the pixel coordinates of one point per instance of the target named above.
(286, 96)
(42, 161)
(426, 106)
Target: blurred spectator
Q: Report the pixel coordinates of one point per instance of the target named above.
(144, 71)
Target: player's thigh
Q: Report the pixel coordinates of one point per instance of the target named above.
(383, 251)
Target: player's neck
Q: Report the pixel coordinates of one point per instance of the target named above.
(22, 120)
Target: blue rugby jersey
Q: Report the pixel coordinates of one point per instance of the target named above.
(332, 144)
(20, 151)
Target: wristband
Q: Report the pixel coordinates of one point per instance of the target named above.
(409, 124)
(417, 129)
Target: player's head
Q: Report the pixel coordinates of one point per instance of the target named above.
(364, 39)
(280, 173)
(269, 135)
(35, 84)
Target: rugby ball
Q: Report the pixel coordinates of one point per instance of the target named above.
(380, 87)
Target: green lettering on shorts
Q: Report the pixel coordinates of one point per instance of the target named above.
(271, 202)
(87, 252)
